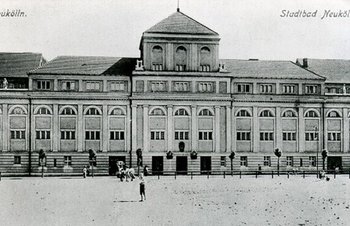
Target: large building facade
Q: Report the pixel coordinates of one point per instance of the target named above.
(179, 99)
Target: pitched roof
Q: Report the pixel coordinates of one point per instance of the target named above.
(336, 71)
(87, 65)
(19, 64)
(267, 69)
(180, 23)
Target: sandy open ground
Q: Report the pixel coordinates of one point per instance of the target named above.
(201, 201)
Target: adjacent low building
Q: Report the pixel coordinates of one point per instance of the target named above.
(178, 100)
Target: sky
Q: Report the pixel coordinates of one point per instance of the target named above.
(247, 28)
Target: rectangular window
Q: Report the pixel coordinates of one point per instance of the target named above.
(312, 160)
(181, 135)
(18, 134)
(311, 136)
(116, 135)
(117, 86)
(266, 88)
(181, 87)
(43, 84)
(289, 89)
(289, 160)
(243, 88)
(92, 86)
(157, 67)
(311, 89)
(68, 85)
(334, 136)
(67, 135)
(43, 134)
(205, 135)
(17, 160)
(67, 160)
(158, 86)
(267, 160)
(289, 136)
(243, 135)
(244, 161)
(266, 136)
(180, 67)
(204, 68)
(205, 87)
(157, 135)
(92, 135)
(223, 161)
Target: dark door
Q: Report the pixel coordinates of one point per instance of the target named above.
(205, 164)
(157, 165)
(113, 160)
(181, 165)
(334, 162)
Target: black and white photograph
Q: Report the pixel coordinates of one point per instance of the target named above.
(174, 112)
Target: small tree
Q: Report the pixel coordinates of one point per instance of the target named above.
(193, 155)
(232, 156)
(42, 158)
(92, 160)
(278, 153)
(324, 156)
(169, 155)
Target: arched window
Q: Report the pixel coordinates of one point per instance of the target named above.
(243, 113)
(205, 59)
(43, 111)
(180, 59)
(157, 112)
(18, 111)
(181, 112)
(117, 111)
(205, 112)
(266, 113)
(289, 113)
(311, 114)
(68, 111)
(157, 58)
(333, 114)
(92, 111)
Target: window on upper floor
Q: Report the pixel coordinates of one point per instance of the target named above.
(205, 112)
(243, 88)
(157, 58)
(243, 136)
(158, 86)
(334, 89)
(68, 85)
(181, 112)
(266, 136)
(93, 86)
(43, 84)
(117, 111)
(205, 59)
(68, 111)
(205, 87)
(311, 114)
(117, 86)
(311, 89)
(17, 111)
(157, 112)
(205, 135)
(243, 113)
(43, 111)
(289, 113)
(181, 59)
(92, 111)
(289, 89)
(333, 114)
(289, 136)
(181, 86)
(157, 135)
(266, 113)
(266, 88)
(204, 68)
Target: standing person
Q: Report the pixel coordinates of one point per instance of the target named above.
(142, 188)
(84, 172)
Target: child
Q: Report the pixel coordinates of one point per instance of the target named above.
(142, 188)
(84, 172)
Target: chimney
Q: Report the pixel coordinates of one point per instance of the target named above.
(305, 63)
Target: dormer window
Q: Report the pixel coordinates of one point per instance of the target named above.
(43, 84)
(205, 59)
(157, 58)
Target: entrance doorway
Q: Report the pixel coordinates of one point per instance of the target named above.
(113, 161)
(157, 165)
(334, 162)
(181, 165)
(205, 164)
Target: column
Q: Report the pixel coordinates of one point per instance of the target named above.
(194, 137)
(217, 129)
(80, 85)
(169, 56)
(278, 129)
(105, 87)
(55, 85)
(80, 131)
(105, 129)
(145, 128)
(55, 129)
(322, 143)
(133, 127)
(5, 127)
(345, 132)
(233, 130)
(228, 129)
(301, 130)
(30, 127)
(127, 129)
(255, 130)
(170, 127)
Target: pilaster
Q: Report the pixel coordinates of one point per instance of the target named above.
(278, 128)
(145, 129)
(5, 126)
(133, 127)
(301, 130)
(80, 131)
(217, 129)
(255, 130)
(170, 127)
(194, 137)
(345, 132)
(105, 129)
(228, 129)
(55, 129)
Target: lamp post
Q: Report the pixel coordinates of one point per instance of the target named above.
(278, 154)
(317, 140)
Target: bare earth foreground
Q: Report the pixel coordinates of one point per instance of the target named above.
(201, 201)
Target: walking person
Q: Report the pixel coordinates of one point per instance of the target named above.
(84, 172)
(142, 188)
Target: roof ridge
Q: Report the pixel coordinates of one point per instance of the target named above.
(197, 22)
